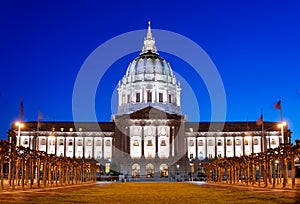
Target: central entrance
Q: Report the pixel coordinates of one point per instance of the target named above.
(149, 171)
(163, 170)
(136, 169)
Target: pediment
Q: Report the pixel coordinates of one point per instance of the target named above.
(150, 112)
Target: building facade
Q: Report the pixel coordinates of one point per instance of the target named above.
(149, 136)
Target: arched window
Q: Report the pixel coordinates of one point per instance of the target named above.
(163, 170)
(149, 170)
(136, 170)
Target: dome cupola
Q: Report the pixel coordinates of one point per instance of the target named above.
(149, 81)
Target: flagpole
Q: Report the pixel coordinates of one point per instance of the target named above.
(280, 110)
(282, 132)
(19, 123)
(36, 147)
(263, 133)
(279, 106)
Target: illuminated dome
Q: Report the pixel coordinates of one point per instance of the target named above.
(149, 81)
(149, 66)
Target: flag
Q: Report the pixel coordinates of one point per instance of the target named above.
(259, 120)
(278, 105)
(21, 109)
(39, 120)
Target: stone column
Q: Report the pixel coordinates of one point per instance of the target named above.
(173, 141)
(156, 142)
(142, 141)
(196, 148)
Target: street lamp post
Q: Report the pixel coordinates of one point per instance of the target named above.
(177, 174)
(20, 125)
(282, 125)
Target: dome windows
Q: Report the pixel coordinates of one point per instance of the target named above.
(149, 66)
(140, 67)
(149, 96)
(138, 97)
(160, 97)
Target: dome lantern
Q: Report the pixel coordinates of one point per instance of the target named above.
(149, 42)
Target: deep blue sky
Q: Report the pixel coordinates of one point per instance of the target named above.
(254, 45)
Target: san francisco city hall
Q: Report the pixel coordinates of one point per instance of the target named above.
(149, 136)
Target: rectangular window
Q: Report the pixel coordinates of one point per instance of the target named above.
(107, 168)
(238, 142)
(200, 155)
(170, 98)
(98, 155)
(192, 167)
(128, 98)
(107, 143)
(228, 142)
(160, 97)
(79, 154)
(273, 142)
(107, 156)
(61, 141)
(255, 141)
(98, 142)
(70, 142)
(210, 156)
(135, 143)
(200, 143)
(52, 141)
(149, 143)
(89, 142)
(138, 97)
(191, 156)
(79, 142)
(149, 96)
(246, 142)
(191, 143)
(163, 143)
(209, 143)
(219, 142)
(25, 142)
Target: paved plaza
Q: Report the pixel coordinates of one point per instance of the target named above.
(152, 192)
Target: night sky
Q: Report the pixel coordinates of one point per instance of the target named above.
(253, 44)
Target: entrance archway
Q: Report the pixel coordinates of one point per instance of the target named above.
(136, 170)
(149, 171)
(163, 168)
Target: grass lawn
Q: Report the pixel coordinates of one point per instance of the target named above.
(159, 193)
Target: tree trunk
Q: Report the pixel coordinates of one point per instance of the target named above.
(22, 171)
(274, 174)
(253, 173)
(38, 169)
(259, 174)
(32, 165)
(266, 173)
(1, 166)
(293, 171)
(285, 172)
(270, 171)
(17, 172)
(44, 172)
